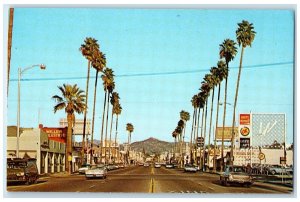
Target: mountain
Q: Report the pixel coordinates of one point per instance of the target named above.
(152, 146)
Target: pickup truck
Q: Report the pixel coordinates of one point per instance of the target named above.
(22, 170)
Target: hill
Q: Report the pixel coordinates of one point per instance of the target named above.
(152, 146)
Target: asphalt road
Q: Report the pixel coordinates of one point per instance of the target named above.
(139, 179)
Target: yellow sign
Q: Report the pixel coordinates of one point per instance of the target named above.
(261, 156)
(227, 133)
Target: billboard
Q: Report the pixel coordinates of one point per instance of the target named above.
(227, 133)
(244, 143)
(268, 128)
(56, 134)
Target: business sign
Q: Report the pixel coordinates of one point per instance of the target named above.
(244, 119)
(245, 131)
(245, 127)
(227, 133)
(261, 156)
(200, 139)
(56, 134)
(244, 143)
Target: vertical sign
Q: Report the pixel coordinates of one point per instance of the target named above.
(245, 130)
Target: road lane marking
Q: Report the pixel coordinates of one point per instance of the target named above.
(151, 189)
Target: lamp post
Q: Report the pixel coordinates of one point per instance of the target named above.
(20, 72)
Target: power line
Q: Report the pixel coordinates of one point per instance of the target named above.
(156, 73)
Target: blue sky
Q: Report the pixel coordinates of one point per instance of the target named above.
(138, 44)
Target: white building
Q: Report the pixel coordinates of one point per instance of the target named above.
(34, 143)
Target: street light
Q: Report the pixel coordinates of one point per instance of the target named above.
(20, 72)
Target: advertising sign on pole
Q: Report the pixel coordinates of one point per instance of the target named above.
(244, 143)
(227, 133)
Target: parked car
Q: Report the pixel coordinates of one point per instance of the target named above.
(236, 175)
(169, 165)
(84, 168)
(111, 167)
(278, 169)
(96, 171)
(146, 164)
(190, 168)
(140, 164)
(157, 165)
(22, 170)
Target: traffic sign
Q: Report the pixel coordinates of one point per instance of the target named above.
(261, 156)
(200, 140)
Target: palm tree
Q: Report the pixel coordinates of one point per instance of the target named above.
(107, 79)
(129, 128)
(117, 111)
(87, 49)
(245, 35)
(220, 74)
(114, 101)
(204, 94)
(228, 51)
(99, 63)
(195, 105)
(174, 135)
(210, 79)
(72, 101)
(185, 116)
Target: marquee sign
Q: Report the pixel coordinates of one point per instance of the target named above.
(56, 134)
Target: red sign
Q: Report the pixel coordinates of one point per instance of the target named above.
(56, 134)
(244, 119)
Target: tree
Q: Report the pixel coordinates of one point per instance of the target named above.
(219, 74)
(87, 49)
(185, 116)
(204, 94)
(129, 128)
(211, 80)
(228, 51)
(114, 101)
(195, 105)
(117, 111)
(107, 79)
(99, 63)
(72, 101)
(245, 35)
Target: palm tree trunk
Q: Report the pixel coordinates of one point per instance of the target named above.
(85, 110)
(103, 115)
(204, 135)
(211, 113)
(93, 120)
(200, 160)
(111, 123)
(115, 157)
(234, 107)
(69, 144)
(9, 43)
(105, 143)
(217, 117)
(191, 140)
(197, 125)
(224, 115)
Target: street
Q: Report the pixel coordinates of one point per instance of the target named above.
(140, 179)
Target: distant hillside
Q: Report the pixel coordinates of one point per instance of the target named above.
(152, 146)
